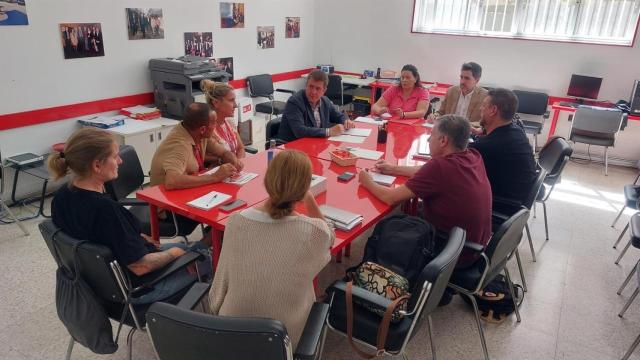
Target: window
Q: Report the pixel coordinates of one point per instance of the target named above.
(588, 21)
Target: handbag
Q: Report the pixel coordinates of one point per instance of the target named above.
(379, 280)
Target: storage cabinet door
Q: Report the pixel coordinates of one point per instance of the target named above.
(145, 145)
(162, 133)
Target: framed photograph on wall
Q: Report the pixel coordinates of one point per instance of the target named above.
(224, 64)
(144, 24)
(266, 37)
(80, 40)
(198, 44)
(292, 26)
(231, 15)
(13, 12)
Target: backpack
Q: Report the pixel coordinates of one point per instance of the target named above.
(494, 301)
(402, 243)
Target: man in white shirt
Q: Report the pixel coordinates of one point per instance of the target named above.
(464, 99)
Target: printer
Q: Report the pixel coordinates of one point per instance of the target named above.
(176, 82)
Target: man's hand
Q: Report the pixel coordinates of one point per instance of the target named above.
(224, 171)
(477, 131)
(364, 177)
(384, 167)
(239, 165)
(336, 130)
(348, 124)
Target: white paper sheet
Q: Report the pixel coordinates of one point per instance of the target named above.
(428, 125)
(357, 132)
(240, 179)
(365, 154)
(385, 180)
(209, 201)
(348, 139)
(369, 120)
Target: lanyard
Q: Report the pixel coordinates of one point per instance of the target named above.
(228, 136)
(197, 152)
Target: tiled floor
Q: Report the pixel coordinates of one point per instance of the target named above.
(570, 311)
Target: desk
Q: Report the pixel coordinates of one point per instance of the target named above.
(557, 108)
(38, 170)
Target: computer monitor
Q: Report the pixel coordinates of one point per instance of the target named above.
(584, 87)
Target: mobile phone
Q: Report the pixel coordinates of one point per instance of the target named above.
(346, 176)
(232, 205)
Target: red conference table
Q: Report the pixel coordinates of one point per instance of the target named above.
(557, 108)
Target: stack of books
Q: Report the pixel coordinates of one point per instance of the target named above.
(141, 112)
(341, 219)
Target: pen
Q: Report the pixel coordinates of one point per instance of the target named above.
(211, 200)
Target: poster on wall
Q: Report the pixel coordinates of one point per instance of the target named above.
(80, 40)
(224, 64)
(231, 15)
(13, 12)
(292, 28)
(145, 24)
(266, 37)
(198, 44)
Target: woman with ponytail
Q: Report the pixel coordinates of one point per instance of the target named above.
(83, 211)
(222, 98)
(271, 253)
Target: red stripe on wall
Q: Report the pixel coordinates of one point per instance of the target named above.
(40, 116)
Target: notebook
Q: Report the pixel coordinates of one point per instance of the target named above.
(348, 139)
(365, 154)
(341, 219)
(209, 201)
(384, 180)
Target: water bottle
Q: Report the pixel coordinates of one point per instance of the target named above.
(272, 146)
(378, 74)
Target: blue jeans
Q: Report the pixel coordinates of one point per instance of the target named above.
(178, 280)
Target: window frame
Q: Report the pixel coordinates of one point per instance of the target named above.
(519, 37)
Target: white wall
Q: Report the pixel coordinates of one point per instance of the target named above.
(365, 34)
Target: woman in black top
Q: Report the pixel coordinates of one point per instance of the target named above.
(83, 211)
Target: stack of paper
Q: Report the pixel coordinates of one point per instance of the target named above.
(103, 122)
(141, 112)
(365, 154)
(357, 132)
(347, 138)
(209, 200)
(342, 219)
(240, 179)
(384, 180)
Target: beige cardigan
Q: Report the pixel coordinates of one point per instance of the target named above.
(448, 105)
(267, 268)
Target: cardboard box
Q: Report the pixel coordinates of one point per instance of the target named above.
(318, 185)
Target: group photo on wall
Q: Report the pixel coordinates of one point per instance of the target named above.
(198, 44)
(145, 24)
(81, 40)
(266, 37)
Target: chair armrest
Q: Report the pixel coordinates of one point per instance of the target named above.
(312, 334)
(194, 295)
(473, 246)
(250, 150)
(177, 264)
(132, 202)
(360, 294)
(286, 91)
(506, 201)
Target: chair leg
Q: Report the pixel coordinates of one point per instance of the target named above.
(534, 210)
(606, 161)
(621, 235)
(624, 251)
(626, 281)
(430, 330)
(70, 348)
(130, 343)
(626, 306)
(513, 294)
(618, 217)
(476, 312)
(524, 282)
(546, 224)
(14, 218)
(533, 252)
(632, 348)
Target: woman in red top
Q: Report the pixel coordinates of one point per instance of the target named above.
(408, 100)
(222, 98)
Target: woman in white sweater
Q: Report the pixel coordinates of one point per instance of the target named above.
(271, 254)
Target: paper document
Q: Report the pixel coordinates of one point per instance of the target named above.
(342, 219)
(139, 109)
(240, 179)
(357, 132)
(384, 180)
(348, 138)
(209, 200)
(366, 154)
(428, 125)
(370, 120)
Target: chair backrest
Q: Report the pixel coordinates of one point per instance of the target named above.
(130, 175)
(334, 89)
(531, 102)
(554, 155)
(182, 334)
(260, 85)
(273, 126)
(93, 261)
(594, 121)
(504, 242)
(439, 270)
(1, 176)
(535, 188)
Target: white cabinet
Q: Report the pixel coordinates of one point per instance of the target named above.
(144, 136)
(258, 132)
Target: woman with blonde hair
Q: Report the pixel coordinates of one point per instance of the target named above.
(271, 253)
(83, 211)
(222, 98)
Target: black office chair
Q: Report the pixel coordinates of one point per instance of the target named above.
(532, 110)
(425, 296)
(335, 91)
(177, 333)
(262, 86)
(99, 269)
(552, 157)
(493, 260)
(631, 195)
(634, 224)
(273, 126)
(4, 207)
(130, 179)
